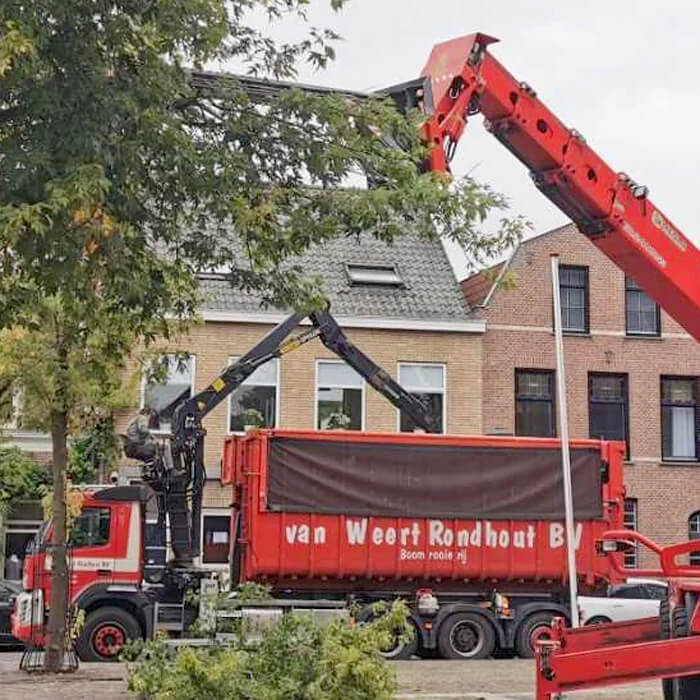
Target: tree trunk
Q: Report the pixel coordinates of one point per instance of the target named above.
(56, 632)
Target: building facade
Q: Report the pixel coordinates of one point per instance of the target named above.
(399, 304)
(631, 373)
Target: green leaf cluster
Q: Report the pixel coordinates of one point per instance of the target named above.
(21, 477)
(295, 660)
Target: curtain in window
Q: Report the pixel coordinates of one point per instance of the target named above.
(683, 431)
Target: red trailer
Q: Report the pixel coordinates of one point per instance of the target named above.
(470, 529)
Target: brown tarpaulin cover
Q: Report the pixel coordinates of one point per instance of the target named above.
(441, 481)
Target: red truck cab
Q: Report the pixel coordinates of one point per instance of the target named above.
(106, 574)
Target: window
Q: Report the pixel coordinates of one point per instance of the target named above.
(384, 275)
(642, 313)
(630, 522)
(339, 397)
(534, 402)
(255, 401)
(694, 534)
(679, 424)
(177, 385)
(608, 414)
(573, 288)
(215, 538)
(427, 382)
(91, 528)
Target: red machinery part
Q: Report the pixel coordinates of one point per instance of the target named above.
(609, 207)
(625, 652)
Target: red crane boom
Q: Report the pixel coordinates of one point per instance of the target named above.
(462, 79)
(609, 207)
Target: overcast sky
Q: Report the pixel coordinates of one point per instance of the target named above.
(625, 74)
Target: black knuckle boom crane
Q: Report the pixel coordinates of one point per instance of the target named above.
(460, 80)
(175, 470)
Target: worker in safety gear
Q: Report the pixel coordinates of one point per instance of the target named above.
(139, 443)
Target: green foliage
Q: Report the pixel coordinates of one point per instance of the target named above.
(96, 449)
(295, 660)
(253, 417)
(21, 478)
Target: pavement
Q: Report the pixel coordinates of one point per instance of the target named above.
(493, 679)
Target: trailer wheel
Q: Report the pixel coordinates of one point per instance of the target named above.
(683, 688)
(466, 636)
(105, 633)
(401, 650)
(598, 620)
(533, 627)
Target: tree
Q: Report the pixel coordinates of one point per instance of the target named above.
(122, 176)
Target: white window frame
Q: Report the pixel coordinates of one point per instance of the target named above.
(339, 386)
(192, 357)
(278, 403)
(218, 512)
(409, 389)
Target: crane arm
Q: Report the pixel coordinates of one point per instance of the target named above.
(607, 206)
(176, 471)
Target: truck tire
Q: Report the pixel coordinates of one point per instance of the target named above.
(687, 688)
(402, 650)
(466, 636)
(105, 633)
(665, 629)
(530, 628)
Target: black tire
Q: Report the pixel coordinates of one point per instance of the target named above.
(598, 620)
(424, 653)
(665, 628)
(687, 688)
(466, 636)
(104, 634)
(402, 649)
(528, 629)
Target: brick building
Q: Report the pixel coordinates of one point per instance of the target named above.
(631, 372)
(400, 304)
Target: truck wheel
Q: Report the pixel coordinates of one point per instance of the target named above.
(466, 636)
(665, 625)
(105, 633)
(400, 650)
(683, 688)
(531, 628)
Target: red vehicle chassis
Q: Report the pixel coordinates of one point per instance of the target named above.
(625, 652)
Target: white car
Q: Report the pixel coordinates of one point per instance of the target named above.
(636, 599)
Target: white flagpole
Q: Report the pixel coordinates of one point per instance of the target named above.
(565, 455)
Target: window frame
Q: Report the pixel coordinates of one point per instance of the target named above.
(441, 365)
(144, 382)
(534, 370)
(634, 554)
(213, 513)
(626, 404)
(640, 334)
(586, 300)
(235, 358)
(390, 268)
(363, 386)
(694, 380)
(110, 524)
(694, 557)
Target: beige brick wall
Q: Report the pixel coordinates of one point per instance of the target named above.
(519, 335)
(213, 344)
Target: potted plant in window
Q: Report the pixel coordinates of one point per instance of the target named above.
(252, 419)
(338, 421)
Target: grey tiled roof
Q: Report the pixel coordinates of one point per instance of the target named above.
(431, 291)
